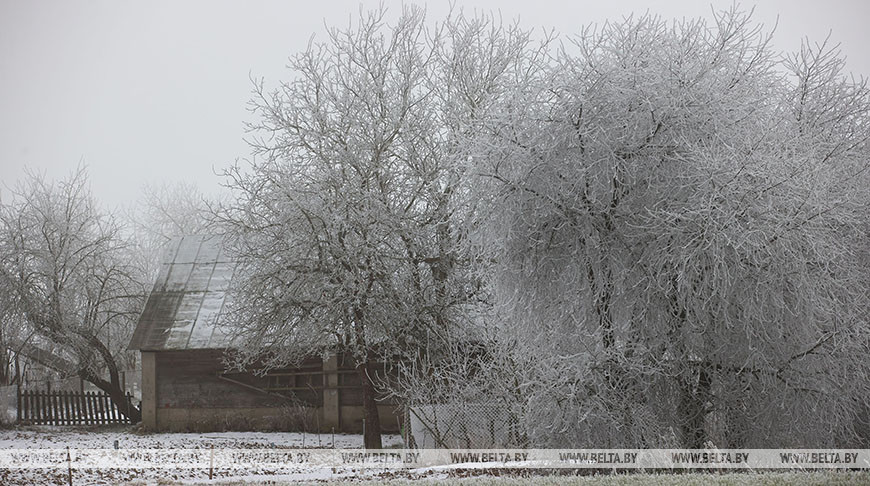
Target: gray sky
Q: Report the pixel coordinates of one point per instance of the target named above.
(156, 91)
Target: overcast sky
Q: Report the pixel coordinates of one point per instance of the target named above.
(156, 91)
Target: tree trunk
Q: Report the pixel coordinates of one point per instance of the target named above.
(693, 381)
(113, 386)
(117, 395)
(5, 368)
(372, 433)
(124, 406)
(692, 411)
(738, 423)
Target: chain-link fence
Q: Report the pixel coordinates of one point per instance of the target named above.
(462, 426)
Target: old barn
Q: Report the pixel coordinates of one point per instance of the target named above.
(183, 335)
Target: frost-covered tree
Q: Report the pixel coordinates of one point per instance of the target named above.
(679, 221)
(168, 210)
(165, 211)
(10, 330)
(344, 226)
(67, 278)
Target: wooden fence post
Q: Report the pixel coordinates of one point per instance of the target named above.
(27, 406)
(55, 406)
(89, 408)
(67, 410)
(68, 467)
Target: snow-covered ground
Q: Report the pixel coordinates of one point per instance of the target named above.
(57, 439)
(46, 437)
(93, 450)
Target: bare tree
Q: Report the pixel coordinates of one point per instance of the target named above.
(345, 226)
(165, 211)
(11, 330)
(68, 276)
(677, 226)
(169, 210)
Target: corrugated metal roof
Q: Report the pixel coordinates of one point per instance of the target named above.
(184, 308)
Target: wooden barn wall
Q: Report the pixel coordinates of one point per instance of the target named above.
(190, 379)
(189, 394)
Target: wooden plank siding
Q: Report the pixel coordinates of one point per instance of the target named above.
(189, 384)
(192, 379)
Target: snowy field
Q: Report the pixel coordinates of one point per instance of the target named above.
(59, 438)
(47, 437)
(56, 440)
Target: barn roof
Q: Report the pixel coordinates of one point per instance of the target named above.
(184, 308)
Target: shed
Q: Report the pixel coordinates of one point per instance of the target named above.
(183, 335)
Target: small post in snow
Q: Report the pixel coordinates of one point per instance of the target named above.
(68, 467)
